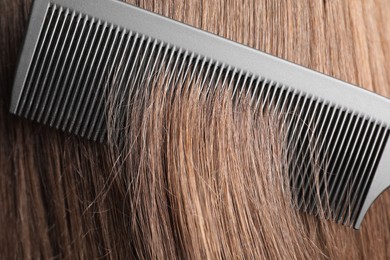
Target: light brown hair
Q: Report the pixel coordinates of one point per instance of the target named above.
(196, 175)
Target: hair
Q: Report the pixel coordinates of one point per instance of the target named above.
(188, 173)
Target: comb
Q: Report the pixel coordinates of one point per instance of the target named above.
(72, 47)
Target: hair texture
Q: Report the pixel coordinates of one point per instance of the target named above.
(188, 172)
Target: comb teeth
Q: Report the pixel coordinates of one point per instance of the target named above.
(75, 53)
(346, 147)
(77, 56)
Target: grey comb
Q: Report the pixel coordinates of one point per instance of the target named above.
(73, 46)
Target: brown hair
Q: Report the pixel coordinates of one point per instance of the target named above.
(195, 175)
